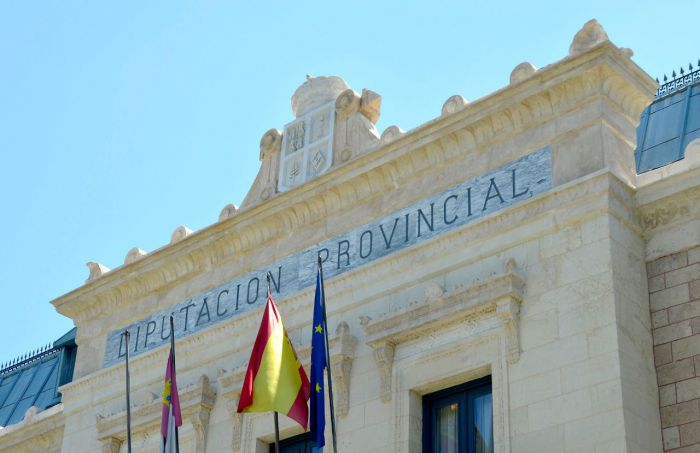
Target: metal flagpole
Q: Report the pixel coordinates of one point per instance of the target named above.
(277, 423)
(172, 349)
(128, 399)
(328, 356)
(277, 433)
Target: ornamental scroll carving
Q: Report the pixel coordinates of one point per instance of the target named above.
(499, 296)
(196, 402)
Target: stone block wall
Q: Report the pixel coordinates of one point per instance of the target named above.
(674, 297)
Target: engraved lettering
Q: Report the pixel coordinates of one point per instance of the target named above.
(387, 242)
(444, 210)
(492, 185)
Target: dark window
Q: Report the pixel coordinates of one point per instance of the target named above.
(459, 419)
(297, 444)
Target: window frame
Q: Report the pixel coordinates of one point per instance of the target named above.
(464, 394)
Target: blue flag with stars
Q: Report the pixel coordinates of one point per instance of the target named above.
(318, 365)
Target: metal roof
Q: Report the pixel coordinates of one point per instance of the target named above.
(34, 379)
(669, 123)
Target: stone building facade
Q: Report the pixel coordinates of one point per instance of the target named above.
(508, 242)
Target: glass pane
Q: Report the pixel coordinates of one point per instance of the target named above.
(40, 377)
(447, 432)
(18, 414)
(483, 424)
(6, 386)
(20, 386)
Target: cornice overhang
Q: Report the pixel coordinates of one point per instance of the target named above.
(603, 70)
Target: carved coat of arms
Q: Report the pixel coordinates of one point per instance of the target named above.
(307, 146)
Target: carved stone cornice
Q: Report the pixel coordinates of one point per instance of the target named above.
(196, 402)
(601, 71)
(37, 431)
(499, 296)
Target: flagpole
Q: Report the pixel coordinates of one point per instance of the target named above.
(128, 399)
(328, 358)
(277, 423)
(172, 349)
(277, 433)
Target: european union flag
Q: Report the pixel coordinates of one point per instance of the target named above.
(318, 364)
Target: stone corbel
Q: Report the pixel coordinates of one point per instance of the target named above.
(508, 312)
(384, 357)
(499, 296)
(111, 445)
(341, 353)
(231, 383)
(196, 402)
(200, 423)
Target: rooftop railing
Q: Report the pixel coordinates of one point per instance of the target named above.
(678, 80)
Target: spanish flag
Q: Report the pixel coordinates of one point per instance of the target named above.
(275, 379)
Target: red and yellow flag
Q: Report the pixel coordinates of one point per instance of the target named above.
(275, 379)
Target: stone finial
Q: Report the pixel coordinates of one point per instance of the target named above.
(229, 211)
(134, 255)
(316, 91)
(97, 270)
(270, 143)
(391, 133)
(179, 234)
(453, 104)
(522, 72)
(370, 105)
(591, 34)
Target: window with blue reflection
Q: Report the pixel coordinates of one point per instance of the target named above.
(459, 419)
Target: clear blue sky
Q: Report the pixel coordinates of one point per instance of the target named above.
(120, 121)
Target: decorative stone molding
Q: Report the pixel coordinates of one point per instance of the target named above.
(265, 184)
(196, 402)
(111, 445)
(179, 234)
(229, 211)
(134, 255)
(602, 73)
(498, 296)
(521, 72)
(341, 353)
(391, 133)
(453, 104)
(590, 35)
(370, 105)
(354, 131)
(270, 143)
(348, 102)
(231, 383)
(97, 270)
(383, 354)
